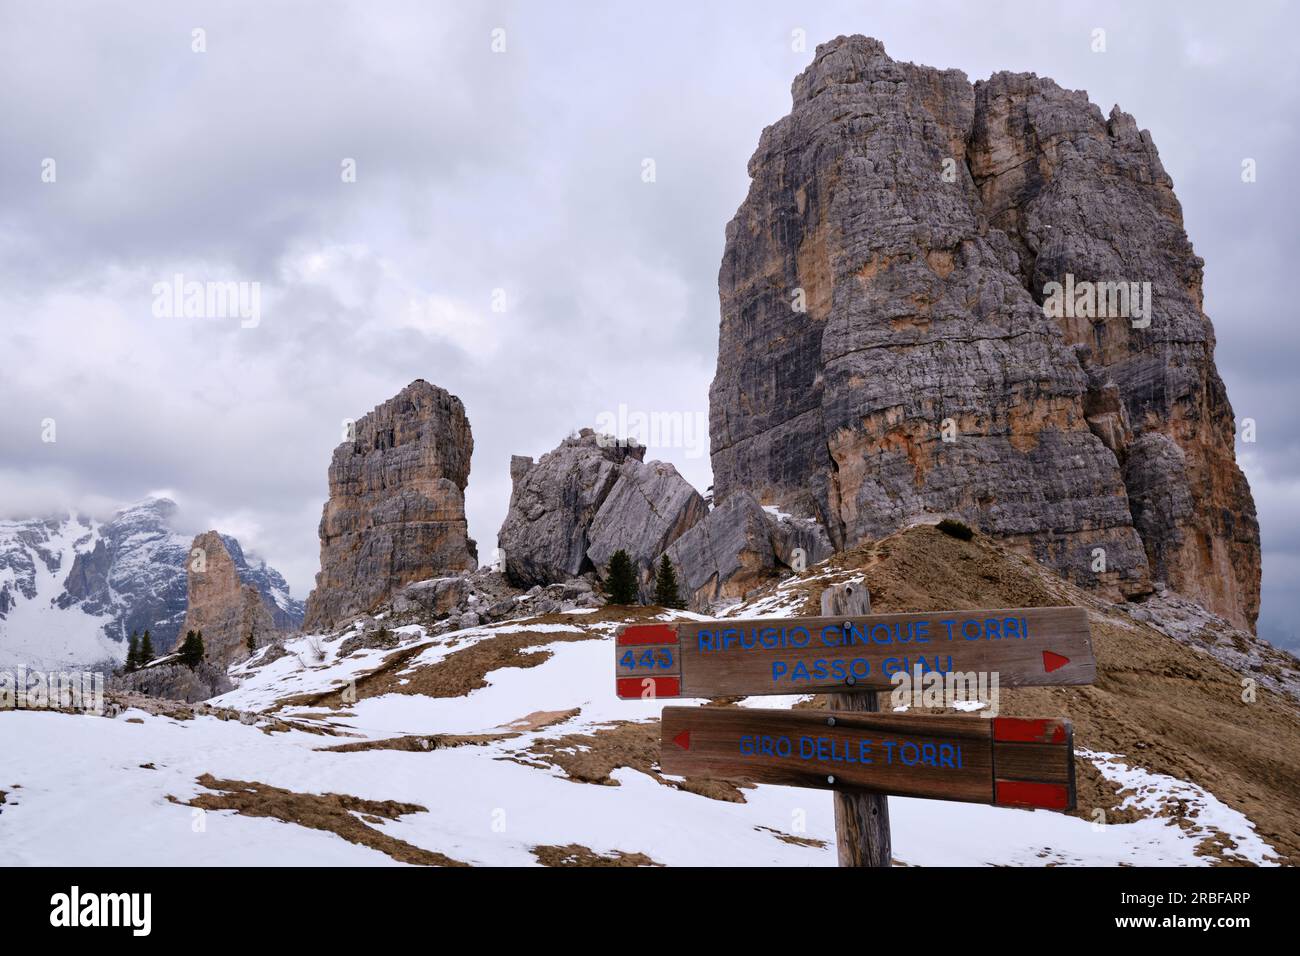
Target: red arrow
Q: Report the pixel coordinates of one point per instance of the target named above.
(1053, 662)
(683, 740)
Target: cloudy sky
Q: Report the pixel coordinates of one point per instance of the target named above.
(486, 176)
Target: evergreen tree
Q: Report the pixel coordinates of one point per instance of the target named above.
(252, 642)
(192, 649)
(132, 652)
(146, 650)
(666, 592)
(620, 580)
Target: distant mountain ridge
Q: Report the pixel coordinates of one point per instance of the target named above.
(73, 589)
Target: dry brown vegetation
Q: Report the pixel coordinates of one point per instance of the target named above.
(575, 854)
(336, 812)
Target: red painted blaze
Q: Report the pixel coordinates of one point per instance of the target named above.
(648, 634)
(1024, 730)
(633, 688)
(1053, 662)
(1023, 793)
(683, 740)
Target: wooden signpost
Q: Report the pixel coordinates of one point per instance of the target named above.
(1007, 761)
(862, 837)
(853, 653)
(852, 749)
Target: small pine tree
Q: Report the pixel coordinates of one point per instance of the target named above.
(252, 642)
(620, 580)
(146, 650)
(133, 652)
(666, 592)
(192, 649)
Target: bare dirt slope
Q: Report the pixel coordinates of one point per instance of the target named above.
(1158, 702)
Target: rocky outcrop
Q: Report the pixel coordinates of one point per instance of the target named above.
(891, 349)
(221, 606)
(396, 509)
(488, 596)
(175, 681)
(649, 507)
(740, 546)
(586, 499)
(553, 503)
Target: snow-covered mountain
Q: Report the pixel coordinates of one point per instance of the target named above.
(72, 589)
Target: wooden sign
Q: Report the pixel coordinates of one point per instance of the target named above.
(813, 655)
(1005, 761)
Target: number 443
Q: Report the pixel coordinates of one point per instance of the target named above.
(660, 658)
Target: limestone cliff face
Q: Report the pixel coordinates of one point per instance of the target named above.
(886, 351)
(396, 510)
(222, 606)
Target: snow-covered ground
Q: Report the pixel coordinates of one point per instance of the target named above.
(78, 793)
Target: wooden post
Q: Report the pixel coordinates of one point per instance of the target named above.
(861, 819)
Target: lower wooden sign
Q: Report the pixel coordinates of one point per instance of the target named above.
(1005, 761)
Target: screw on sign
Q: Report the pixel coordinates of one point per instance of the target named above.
(852, 749)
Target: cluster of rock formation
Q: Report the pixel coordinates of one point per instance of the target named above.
(593, 495)
(175, 681)
(396, 508)
(887, 354)
(588, 498)
(228, 611)
(487, 596)
(882, 290)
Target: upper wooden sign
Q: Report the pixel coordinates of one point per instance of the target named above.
(1007, 761)
(814, 655)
